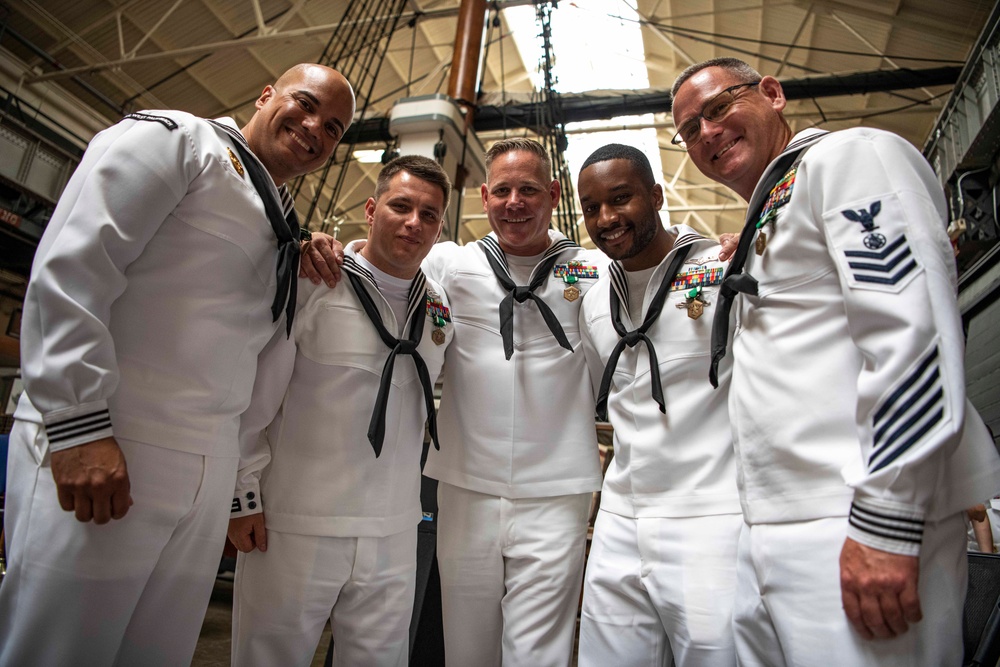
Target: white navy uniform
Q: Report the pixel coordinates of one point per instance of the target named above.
(661, 574)
(848, 404)
(149, 301)
(341, 523)
(517, 466)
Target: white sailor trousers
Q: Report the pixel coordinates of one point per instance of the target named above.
(659, 591)
(789, 610)
(511, 572)
(363, 585)
(129, 592)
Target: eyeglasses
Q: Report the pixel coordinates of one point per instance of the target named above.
(714, 110)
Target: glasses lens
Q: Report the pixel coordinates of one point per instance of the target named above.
(718, 107)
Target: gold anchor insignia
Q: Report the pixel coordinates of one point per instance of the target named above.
(236, 162)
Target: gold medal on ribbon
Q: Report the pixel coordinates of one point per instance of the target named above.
(695, 308)
(571, 293)
(236, 162)
(437, 336)
(761, 243)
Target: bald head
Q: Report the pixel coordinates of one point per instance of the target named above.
(300, 120)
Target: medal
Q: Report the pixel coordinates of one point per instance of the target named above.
(694, 303)
(571, 293)
(236, 163)
(761, 243)
(695, 308)
(437, 336)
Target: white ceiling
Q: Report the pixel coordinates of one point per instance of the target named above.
(213, 57)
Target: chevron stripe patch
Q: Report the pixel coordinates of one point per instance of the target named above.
(885, 267)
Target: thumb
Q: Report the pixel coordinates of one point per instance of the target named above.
(260, 536)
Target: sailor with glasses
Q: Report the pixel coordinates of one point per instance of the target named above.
(856, 449)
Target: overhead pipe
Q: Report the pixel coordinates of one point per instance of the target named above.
(599, 107)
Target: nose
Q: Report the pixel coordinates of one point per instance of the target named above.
(311, 123)
(514, 199)
(607, 216)
(708, 128)
(412, 220)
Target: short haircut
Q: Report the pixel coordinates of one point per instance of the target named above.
(518, 144)
(744, 72)
(422, 167)
(623, 152)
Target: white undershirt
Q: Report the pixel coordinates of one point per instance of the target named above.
(638, 281)
(395, 290)
(520, 267)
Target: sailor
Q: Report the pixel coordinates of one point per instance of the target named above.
(856, 448)
(328, 498)
(518, 463)
(661, 574)
(167, 266)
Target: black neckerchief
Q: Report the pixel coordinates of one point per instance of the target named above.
(735, 280)
(284, 222)
(397, 346)
(632, 338)
(521, 293)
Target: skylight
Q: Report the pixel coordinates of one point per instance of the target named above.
(599, 46)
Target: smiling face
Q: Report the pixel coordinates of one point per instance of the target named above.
(620, 210)
(300, 120)
(518, 199)
(736, 149)
(403, 224)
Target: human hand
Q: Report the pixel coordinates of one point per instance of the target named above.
(728, 242)
(247, 533)
(92, 480)
(321, 258)
(976, 512)
(879, 590)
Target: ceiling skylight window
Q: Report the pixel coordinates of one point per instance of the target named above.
(600, 47)
(598, 42)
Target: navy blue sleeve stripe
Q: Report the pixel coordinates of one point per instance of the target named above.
(904, 408)
(875, 517)
(901, 537)
(916, 416)
(884, 525)
(63, 436)
(921, 432)
(909, 382)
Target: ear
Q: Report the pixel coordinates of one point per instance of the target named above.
(773, 92)
(485, 191)
(265, 95)
(554, 191)
(658, 196)
(370, 212)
